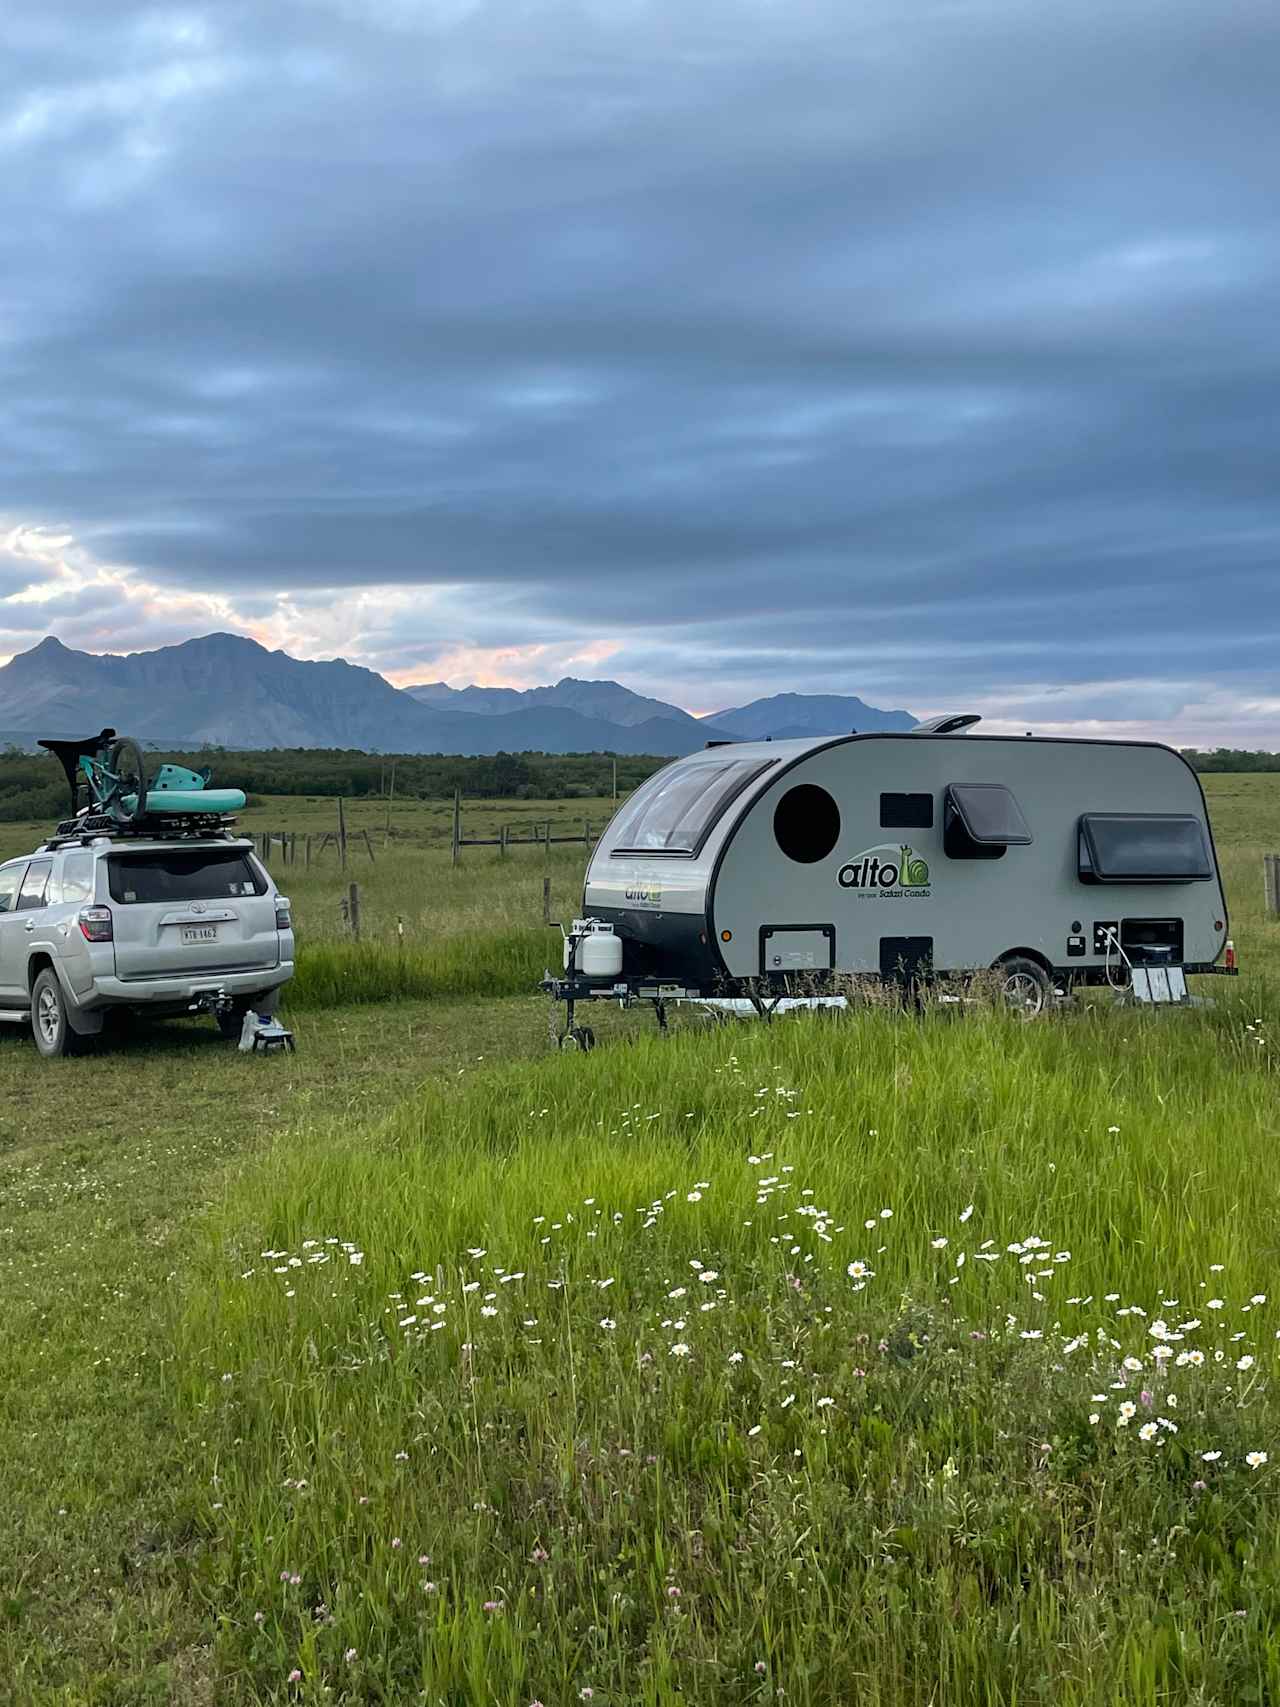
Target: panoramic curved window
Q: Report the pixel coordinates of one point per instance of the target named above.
(806, 823)
(675, 811)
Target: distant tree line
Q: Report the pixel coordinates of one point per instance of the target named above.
(32, 786)
(1231, 759)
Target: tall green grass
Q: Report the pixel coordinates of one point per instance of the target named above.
(499, 963)
(681, 1370)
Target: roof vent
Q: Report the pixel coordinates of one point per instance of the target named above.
(958, 723)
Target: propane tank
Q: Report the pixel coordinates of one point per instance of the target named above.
(599, 951)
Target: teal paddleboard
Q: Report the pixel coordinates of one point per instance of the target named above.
(173, 802)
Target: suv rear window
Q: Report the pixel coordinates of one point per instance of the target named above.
(183, 874)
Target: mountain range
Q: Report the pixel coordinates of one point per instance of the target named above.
(226, 690)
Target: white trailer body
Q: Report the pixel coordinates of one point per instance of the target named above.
(895, 855)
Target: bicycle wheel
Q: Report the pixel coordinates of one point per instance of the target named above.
(124, 760)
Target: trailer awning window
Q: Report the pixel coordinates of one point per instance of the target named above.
(1143, 847)
(676, 811)
(981, 820)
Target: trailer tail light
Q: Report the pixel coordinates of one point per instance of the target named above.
(284, 918)
(1231, 955)
(95, 924)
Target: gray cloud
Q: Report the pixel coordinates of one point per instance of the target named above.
(923, 354)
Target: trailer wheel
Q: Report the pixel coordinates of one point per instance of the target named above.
(578, 1037)
(1024, 985)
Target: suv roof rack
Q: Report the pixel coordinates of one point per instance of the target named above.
(97, 826)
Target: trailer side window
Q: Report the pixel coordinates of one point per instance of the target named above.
(1143, 847)
(806, 823)
(906, 812)
(675, 811)
(982, 820)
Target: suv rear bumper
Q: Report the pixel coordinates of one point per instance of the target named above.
(110, 991)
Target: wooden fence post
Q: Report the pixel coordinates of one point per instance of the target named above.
(546, 900)
(547, 840)
(1271, 883)
(457, 823)
(353, 910)
(342, 832)
(306, 851)
(368, 846)
(502, 843)
(386, 835)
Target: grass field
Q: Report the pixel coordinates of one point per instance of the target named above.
(431, 1367)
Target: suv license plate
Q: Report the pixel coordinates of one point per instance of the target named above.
(199, 933)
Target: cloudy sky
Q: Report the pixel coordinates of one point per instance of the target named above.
(929, 352)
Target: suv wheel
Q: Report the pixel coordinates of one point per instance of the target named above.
(49, 1023)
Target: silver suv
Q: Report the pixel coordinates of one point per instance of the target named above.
(97, 925)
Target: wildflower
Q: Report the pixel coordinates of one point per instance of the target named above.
(295, 1676)
(1211, 1457)
(608, 1323)
(585, 1694)
(735, 1357)
(1214, 1304)
(1132, 1363)
(885, 1214)
(402, 1457)
(1198, 1487)
(966, 1213)
(1031, 1334)
(761, 1668)
(789, 1400)
(1148, 1431)
(1258, 1298)
(428, 1588)
(693, 1197)
(488, 1310)
(708, 1275)
(539, 1556)
(349, 1655)
(424, 1558)
(680, 1349)
(494, 1606)
(1245, 1362)
(753, 1431)
(938, 1245)
(1255, 1460)
(1127, 1409)
(677, 1292)
(1093, 1416)
(823, 1403)
(858, 1271)
(259, 1617)
(396, 1541)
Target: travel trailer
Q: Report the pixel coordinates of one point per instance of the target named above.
(754, 869)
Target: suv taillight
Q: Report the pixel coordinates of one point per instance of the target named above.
(284, 918)
(95, 924)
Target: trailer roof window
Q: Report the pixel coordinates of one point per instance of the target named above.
(1143, 847)
(676, 810)
(981, 820)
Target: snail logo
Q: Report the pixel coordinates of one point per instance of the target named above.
(905, 875)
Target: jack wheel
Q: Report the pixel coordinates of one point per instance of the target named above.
(578, 1037)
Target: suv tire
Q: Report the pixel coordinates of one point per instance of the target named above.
(52, 1030)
